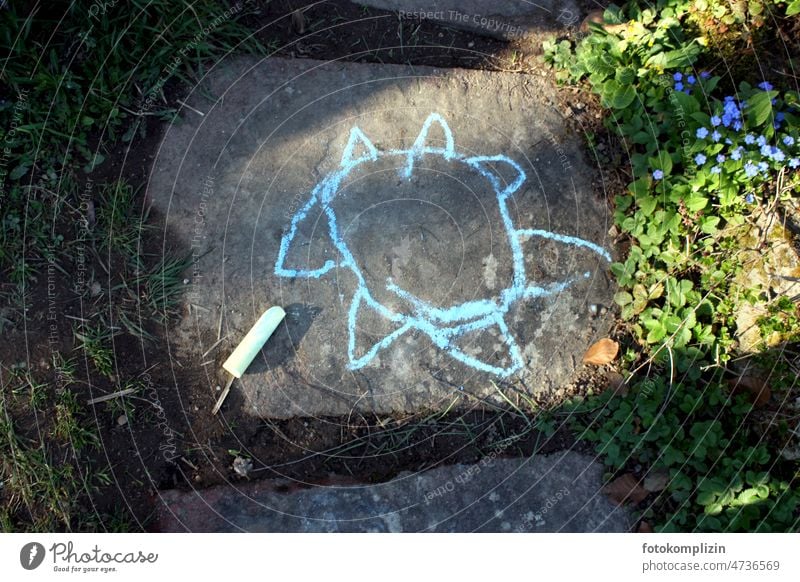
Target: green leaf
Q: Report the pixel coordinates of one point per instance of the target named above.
(760, 107)
(625, 75)
(18, 172)
(706, 497)
(647, 204)
(685, 104)
(623, 298)
(696, 202)
(709, 224)
(662, 162)
(677, 58)
(622, 97)
(638, 188)
(793, 8)
(749, 496)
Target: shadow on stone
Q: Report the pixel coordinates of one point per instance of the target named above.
(281, 347)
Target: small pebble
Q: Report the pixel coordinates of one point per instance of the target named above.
(186, 281)
(122, 420)
(242, 466)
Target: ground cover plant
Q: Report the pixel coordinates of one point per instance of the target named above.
(711, 172)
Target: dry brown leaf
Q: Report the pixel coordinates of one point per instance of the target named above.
(644, 527)
(601, 353)
(756, 389)
(625, 489)
(615, 382)
(298, 22)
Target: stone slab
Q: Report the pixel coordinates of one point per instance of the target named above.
(503, 19)
(555, 493)
(410, 274)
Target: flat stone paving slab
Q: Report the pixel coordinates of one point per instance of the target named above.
(429, 233)
(555, 493)
(503, 19)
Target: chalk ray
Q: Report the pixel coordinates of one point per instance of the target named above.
(361, 308)
(291, 252)
(502, 364)
(504, 188)
(422, 145)
(358, 142)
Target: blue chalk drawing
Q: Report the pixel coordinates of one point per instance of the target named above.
(442, 326)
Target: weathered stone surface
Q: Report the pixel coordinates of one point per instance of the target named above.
(770, 262)
(556, 493)
(449, 308)
(503, 19)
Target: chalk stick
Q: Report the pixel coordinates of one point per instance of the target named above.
(252, 343)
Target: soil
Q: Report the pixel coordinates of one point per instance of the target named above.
(135, 445)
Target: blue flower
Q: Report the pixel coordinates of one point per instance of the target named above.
(727, 119)
(737, 125)
(780, 116)
(766, 150)
(763, 166)
(716, 170)
(749, 138)
(750, 170)
(704, 74)
(761, 140)
(716, 136)
(691, 79)
(750, 198)
(736, 154)
(658, 174)
(677, 76)
(720, 158)
(766, 86)
(702, 132)
(777, 155)
(679, 86)
(788, 140)
(794, 162)
(715, 120)
(700, 159)
(728, 141)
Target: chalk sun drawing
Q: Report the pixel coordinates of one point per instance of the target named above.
(441, 325)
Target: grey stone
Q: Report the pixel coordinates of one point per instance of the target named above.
(555, 493)
(230, 178)
(503, 19)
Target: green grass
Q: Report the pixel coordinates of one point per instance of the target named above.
(78, 79)
(69, 426)
(40, 490)
(94, 340)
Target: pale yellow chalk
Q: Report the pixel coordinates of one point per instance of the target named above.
(252, 343)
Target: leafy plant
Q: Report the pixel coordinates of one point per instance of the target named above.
(703, 168)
